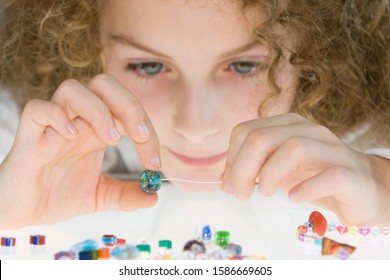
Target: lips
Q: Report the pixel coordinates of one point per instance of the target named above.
(199, 161)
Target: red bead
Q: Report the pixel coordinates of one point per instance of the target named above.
(37, 239)
(342, 229)
(120, 241)
(302, 229)
(8, 241)
(319, 223)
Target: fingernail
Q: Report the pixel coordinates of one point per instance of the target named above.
(114, 134)
(155, 161)
(143, 130)
(72, 128)
(228, 188)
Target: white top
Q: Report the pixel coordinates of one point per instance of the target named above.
(263, 226)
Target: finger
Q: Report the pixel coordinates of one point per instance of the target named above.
(129, 111)
(240, 134)
(297, 159)
(258, 146)
(38, 115)
(113, 194)
(330, 182)
(77, 100)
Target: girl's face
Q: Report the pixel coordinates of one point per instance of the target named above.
(198, 73)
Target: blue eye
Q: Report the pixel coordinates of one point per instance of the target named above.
(146, 68)
(244, 67)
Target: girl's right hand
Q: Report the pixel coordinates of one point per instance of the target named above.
(54, 169)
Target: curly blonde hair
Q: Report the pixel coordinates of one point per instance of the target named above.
(341, 53)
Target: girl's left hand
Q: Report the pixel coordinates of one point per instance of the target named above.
(310, 163)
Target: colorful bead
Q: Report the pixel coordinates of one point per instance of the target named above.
(353, 230)
(234, 249)
(195, 246)
(150, 181)
(144, 251)
(165, 249)
(109, 240)
(37, 239)
(385, 231)
(331, 226)
(204, 233)
(309, 226)
(65, 255)
(330, 247)
(364, 230)
(319, 223)
(8, 241)
(125, 252)
(88, 255)
(342, 229)
(222, 238)
(302, 229)
(375, 231)
(120, 241)
(103, 253)
(342, 253)
(86, 245)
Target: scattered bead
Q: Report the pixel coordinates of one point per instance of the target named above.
(8, 241)
(319, 223)
(120, 241)
(342, 253)
(222, 238)
(125, 252)
(195, 246)
(65, 255)
(103, 253)
(330, 247)
(88, 255)
(165, 249)
(109, 240)
(204, 233)
(37, 239)
(234, 249)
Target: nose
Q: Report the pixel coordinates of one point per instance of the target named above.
(198, 112)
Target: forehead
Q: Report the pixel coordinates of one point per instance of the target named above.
(190, 20)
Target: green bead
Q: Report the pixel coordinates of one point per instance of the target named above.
(222, 238)
(165, 243)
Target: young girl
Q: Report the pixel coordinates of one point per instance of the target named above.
(289, 94)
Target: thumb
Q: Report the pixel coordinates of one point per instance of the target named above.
(114, 194)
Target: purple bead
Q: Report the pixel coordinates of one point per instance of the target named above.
(342, 253)
(364, 230)
(65, 255)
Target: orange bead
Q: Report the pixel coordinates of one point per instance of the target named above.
(319, 223)
(103, 253)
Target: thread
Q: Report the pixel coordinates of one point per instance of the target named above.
(256, 186)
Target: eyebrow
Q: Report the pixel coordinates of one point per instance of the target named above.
(128, 41)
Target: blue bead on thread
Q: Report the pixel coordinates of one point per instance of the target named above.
(150, 181)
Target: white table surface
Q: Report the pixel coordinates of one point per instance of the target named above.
(260, 225)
